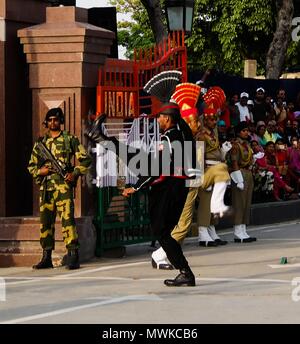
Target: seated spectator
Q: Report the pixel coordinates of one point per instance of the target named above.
(222, 131)
(260, 132)
(271, 134)
(280, 113)
(270, 163)
(252, 132)
(293, 155)
(290, 114)
(256, 148)
(281, 157)
(263, 179)
(295, 128)
(288, 133)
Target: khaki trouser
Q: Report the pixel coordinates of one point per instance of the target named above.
(241, 199)
(204, 217)
(213, 174)
(180, 231)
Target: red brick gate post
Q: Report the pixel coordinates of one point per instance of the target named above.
(64, 55)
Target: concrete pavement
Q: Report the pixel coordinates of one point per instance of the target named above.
(236, 283)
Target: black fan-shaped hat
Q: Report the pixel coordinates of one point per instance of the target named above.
(163, 85)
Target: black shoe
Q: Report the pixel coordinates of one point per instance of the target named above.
(161, 266)
(95, 132)
(73, 260)
(208, 243)
(221, 242)
(253, 238)
(184, 279)
(46, 261)
(244, 240)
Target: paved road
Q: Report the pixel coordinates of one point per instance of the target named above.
(236, 283)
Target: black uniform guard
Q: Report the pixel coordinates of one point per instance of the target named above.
(167, 194)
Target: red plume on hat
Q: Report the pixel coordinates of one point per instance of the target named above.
(186, 96)
(214, 99)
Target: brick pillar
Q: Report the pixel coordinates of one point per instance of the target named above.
(64, 55)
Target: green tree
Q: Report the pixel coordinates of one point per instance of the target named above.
(225, 33)
(139, 32)
(281, 40)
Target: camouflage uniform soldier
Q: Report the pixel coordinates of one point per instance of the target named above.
(56, 192)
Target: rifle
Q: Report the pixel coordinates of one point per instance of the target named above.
(58, 166)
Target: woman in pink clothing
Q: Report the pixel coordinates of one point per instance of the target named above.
(293, 173)
(268, 162)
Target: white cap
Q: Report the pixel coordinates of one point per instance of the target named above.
(250, 102)
(244, 94)
(261, 89)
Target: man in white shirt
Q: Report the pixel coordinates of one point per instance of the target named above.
(242, 107)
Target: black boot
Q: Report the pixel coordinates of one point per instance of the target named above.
(73, 259)
(185, 278)
(95, 132)
(46, 261)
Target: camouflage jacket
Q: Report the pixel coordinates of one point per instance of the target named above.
(63, 147)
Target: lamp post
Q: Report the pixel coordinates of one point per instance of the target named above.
(180, 15)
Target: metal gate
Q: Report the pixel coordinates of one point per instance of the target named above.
(120, 95)
(121, 221)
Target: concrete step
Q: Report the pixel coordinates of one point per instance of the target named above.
(15, 247)
(20, 241)
(26, 259)
(24, 231)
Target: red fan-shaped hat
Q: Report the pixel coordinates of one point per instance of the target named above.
(214, 97)
(186, 96)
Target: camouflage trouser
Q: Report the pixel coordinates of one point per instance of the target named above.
(58, 201)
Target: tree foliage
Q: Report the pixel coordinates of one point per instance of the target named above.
(225, 33)
(134, 33)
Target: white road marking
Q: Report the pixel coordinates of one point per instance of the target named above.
(284, 266)
(263, 280)
(67, 276)
(108, 301)
(86, 306)
(105, 268)
(225, 279)
(272, 230)
(278, 239)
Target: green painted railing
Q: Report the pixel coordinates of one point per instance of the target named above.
(121, 221)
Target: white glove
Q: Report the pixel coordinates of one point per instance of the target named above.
(226, 146)
(237, 177)
(240, 186)
(258, 155)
